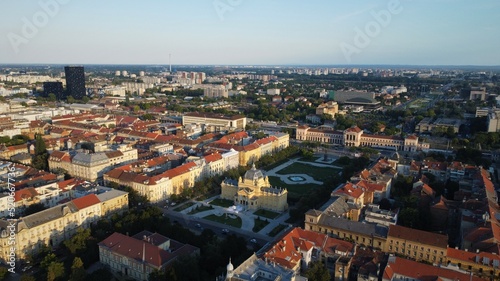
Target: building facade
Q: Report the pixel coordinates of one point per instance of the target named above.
(53, 226)
(138, 256)
(254, 192)
(355, 137)
(75, 81)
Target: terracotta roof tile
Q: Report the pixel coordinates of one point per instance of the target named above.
(86, 201)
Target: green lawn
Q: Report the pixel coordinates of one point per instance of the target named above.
(272, 166)
(311, 160)
(266, 213)
(277, 230)
(184, 206)
(200, 209)
(259, 224)
(222, 202)
(225, 220)
(318, 173)
(297, 189)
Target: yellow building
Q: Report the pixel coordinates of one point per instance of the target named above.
(417, 244)
(330, 108)
(254, 192)
(354, 136)
(50, 227)
(367, 234)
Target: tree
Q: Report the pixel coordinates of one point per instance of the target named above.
(47, 260)
(3, 273)
(27, 277)
(55, 270)
(100, 275)
(78, 241)
(40, 161)
(71, 99)
(317, 271)
(77, 271)
(34, 208)
(85, 99)
(52, 97)
(157, 275)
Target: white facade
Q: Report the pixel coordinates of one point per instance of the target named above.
(273, 92)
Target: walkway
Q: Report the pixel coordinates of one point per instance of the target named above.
(247, 217)
(307, 178)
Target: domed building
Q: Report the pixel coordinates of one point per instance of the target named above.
(253, 191)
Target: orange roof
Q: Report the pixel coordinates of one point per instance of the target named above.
(419, 236)
(351, 190)
(213, 157)
(419, 271)
(355, 129)
(86, 201)
(472, 257)
(287, 251)
(25, 193)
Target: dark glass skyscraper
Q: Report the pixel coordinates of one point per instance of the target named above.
(55, 88)
(75, 81)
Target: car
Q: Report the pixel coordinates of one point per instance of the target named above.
(253, 240)
(173, 204)
(225, 231)
(198, 225)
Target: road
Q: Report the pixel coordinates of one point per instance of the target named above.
(192, 223)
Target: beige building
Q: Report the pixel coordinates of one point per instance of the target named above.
(215, 121)
(417, 244)
(254, 192)
(330, 108)
(91, 166)
(158, 186)
(138, 256)
(366, 234)
(354, 136)
(53, 226)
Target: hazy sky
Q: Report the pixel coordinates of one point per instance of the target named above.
(419, 32)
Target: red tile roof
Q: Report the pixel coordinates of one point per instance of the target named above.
(419, 236)
(472, 257)
(213, 157)
(25, 193)
(419, 271)
(86, 201)
(144, 251)
(351, 190)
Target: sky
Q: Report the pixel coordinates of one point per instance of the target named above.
(251, 32)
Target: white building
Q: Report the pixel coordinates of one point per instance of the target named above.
(273, 92)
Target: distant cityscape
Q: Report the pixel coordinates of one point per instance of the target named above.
(242, 172)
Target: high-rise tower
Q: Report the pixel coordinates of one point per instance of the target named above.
(75, 81)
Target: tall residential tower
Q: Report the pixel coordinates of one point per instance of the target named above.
(75, 81)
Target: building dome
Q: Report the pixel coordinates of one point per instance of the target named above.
(254, 174)
(229, 267)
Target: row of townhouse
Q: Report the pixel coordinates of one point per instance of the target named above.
(354, 136)
(161, 185)
(454, 171)
(367, 187)
(250, 151)
(53, 226)
(290, 256)
(416, 244)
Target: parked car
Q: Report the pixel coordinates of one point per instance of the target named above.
(225, 231)
(253, 240)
